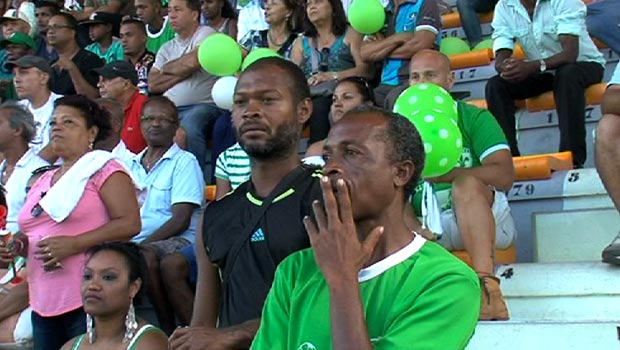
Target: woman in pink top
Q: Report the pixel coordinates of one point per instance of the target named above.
(106, 210)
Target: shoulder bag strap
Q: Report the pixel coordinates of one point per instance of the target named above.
(283, 185)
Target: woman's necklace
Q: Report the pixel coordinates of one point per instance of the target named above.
(272, 40)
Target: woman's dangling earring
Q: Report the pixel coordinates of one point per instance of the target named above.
(131, 324)
(90, 329)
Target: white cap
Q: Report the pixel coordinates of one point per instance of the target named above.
(25, 13)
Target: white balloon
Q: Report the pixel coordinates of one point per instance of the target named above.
(223, 91)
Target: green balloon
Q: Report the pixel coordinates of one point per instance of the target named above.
(443, 142)
(423, 97)
(220, 55)
(256, 55)
(484, 44)
(451, 46)
(367, 16)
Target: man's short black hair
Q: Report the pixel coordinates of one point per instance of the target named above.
(71, 21)
(166, 103)
(402, 138)
(295, 76)
(54, 7)
(194, 5)
(137, 22)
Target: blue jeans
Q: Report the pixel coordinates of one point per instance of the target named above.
(603, 20)
(51, 333)
(469, 10)
(224, 136)
(198, 121)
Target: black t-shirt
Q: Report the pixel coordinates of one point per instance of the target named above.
(279, 233)
(86, 61)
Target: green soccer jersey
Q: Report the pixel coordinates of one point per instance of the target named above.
(114, 53)
(482, 136)
(156, 40)
(420, 297)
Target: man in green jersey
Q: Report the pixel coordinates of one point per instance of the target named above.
(368, 282)
(158, 26)
(475, 213)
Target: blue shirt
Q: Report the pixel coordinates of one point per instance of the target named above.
(410, 16)
(539, 37)
(175, 178)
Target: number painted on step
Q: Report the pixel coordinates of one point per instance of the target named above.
(551, 115)
(573, 177)
(523, 189)
(589, 112)
(467, 73)
(449, 33)
(550, 118)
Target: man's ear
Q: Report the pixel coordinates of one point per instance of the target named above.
(403, 172)
(450, 80)
(304, 110)
(45, 78)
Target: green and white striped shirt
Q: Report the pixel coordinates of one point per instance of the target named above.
(233, 165)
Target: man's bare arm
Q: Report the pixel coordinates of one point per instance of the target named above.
(497, 170)
(81, 85)
(423, 39)
(160, 82)
(183, 66)
(378, 49)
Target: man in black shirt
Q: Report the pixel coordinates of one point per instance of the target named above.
(268, 115)
(73, 70)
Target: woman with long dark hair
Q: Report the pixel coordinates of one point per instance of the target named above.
(114, 276)
(329, 51)
(284, 19)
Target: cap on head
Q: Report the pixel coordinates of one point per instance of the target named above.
(19, 38)
(119, 69)
(104, 18)
(26, 13)
(30, 61)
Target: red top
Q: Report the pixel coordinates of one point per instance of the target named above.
(132, 134)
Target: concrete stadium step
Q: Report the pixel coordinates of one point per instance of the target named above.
(458, 32)
(536, 335)
(537, 132)
(556, 306)
(574, 291)
(582, 237)
(538, 204)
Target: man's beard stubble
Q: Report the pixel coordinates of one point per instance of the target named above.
(279, 146)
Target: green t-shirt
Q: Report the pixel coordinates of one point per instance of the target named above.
(420, 297)
(115, 51)
(482, 136)
(156, 40)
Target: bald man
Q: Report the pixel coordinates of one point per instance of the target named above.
(475, 214)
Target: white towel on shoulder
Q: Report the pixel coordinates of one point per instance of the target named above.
(431, 213)
(64, 196)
